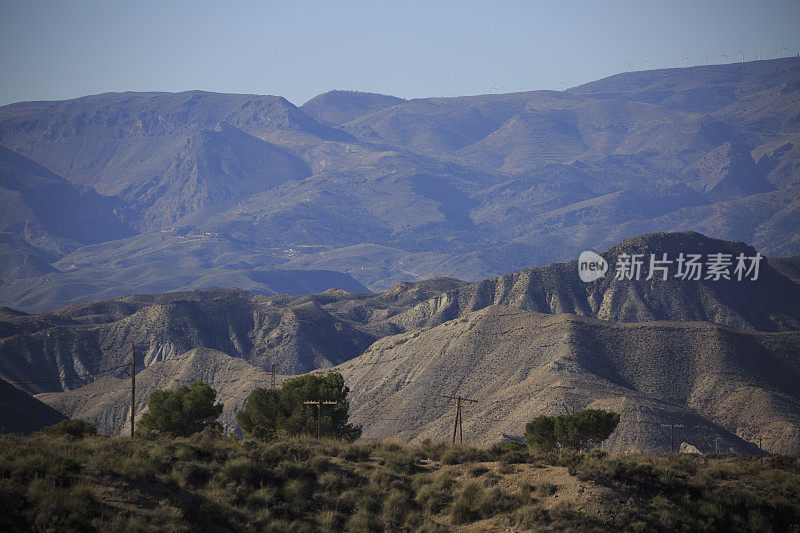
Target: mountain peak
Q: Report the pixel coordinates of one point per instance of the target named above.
(338, 107)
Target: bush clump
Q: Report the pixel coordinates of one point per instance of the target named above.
(75, 429)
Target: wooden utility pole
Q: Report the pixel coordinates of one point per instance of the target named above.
(672, 434)
(319, 405)
(133, 388)
(457, 426)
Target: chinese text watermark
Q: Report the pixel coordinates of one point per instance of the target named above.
(712, 267)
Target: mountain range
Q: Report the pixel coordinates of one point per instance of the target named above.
(419, 247)
(132, 193)
(719, 357)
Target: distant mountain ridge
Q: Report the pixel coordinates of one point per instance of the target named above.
(385, 189)
(302, 333)
(526, 343)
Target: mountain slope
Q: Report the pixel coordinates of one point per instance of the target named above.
(22, 414)
(50, 213)
(770, 303)
(339, 107)
(302, 333)
(720, 383)
(215, 169)
(70, 347)
(469, 187)
(106, 402)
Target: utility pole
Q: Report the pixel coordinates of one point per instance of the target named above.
(272, 373)
(319, 405)
(760, 448)
(672, 434)
(457, 426)
(133, 388)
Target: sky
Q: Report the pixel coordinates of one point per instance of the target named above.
(63, 49)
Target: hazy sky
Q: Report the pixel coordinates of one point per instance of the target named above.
(298, 49)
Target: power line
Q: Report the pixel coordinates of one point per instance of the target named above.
(133, 388)
(319, 405)
(458, 426)
(672, 434)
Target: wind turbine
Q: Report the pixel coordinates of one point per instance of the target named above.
(724, 57)
(629, 65)
(783, 50)
(645, 63)
(759, 53)
(685, 62)
(742, 52)
(705, 59)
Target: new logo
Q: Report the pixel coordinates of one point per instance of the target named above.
(591, 266)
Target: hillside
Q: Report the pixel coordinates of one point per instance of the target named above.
(106, 402)
(726, 387)
(208, 483)
(389, 190)
(21, 414)
(610, 342)
(302, 333)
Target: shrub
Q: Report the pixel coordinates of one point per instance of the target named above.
(76, 429)
(463, 454)
(471, 504)
(182, 412)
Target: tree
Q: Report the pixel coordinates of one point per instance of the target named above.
(540, 433)
(577, 431)
(181, 412)
(269, 413)
(585, 428)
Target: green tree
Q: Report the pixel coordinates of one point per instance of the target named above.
(586, 428)
(269, 413)
(577, 431)
(181, 412)
(540, 433)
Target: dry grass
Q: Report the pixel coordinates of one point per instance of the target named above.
(208, 482)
